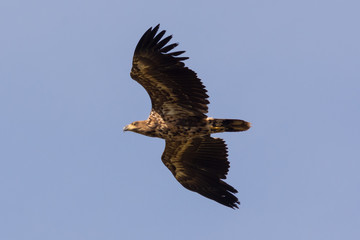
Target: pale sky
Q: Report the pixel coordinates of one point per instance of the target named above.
(67, 171)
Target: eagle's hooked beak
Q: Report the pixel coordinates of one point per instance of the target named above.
(129, 127)
(126, 128)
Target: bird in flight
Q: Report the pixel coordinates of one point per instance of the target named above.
(178, 115)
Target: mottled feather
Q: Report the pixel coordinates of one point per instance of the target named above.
(199, 164)
(174, 89)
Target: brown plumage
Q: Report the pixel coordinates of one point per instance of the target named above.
(178, 115)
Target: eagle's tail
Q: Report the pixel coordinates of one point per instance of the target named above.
(227, 125)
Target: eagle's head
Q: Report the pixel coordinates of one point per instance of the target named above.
(134, 126)
(141, 127)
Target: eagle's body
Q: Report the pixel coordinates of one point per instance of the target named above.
(172, 129)
(178, 115)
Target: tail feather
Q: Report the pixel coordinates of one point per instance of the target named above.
(227, 125)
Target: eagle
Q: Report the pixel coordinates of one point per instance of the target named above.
(178, 115)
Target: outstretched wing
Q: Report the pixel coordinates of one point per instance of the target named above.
(199, 164)
(174, 89)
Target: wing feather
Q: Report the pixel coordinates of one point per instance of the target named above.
(174, 89)
(200, 164)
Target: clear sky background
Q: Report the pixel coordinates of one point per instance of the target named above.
(67, 171)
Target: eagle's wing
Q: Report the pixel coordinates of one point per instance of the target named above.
(174, 89)
(199, 164)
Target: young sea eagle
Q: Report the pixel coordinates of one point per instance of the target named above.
(178, 115)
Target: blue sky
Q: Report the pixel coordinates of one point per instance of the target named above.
(67, 171)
